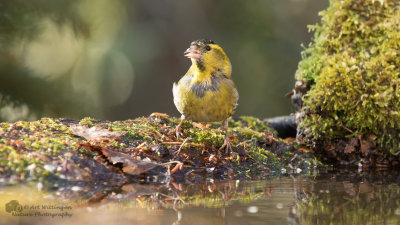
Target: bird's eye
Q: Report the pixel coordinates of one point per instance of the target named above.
(208, 48)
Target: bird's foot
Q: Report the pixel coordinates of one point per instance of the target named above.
(227, 145)
(177, 131)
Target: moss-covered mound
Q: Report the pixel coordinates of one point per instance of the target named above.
(118, 152)
(351, 76)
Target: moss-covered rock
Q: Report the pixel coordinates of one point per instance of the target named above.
(115, 152)
(349, 81)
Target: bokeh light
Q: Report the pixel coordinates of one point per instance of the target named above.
(118, 59)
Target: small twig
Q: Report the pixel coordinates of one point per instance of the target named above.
(180, 143)
(183, 143)
(140, 202)
(176, 153)
(341, 124)
(169, 170)
(176, 168)
(171, 143)
(158, 133)
(172, 162)
(189, 172)
(140, 146)
(293, 158)
(151, 156)
(173, 198)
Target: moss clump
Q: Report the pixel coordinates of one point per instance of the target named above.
(56, 148)
(353, 71)
(27, 147)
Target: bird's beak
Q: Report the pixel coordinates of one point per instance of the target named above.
(193, 52)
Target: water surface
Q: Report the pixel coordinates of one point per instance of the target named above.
(324, 198)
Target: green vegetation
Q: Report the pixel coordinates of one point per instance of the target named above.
(353, 69)
(78, 150)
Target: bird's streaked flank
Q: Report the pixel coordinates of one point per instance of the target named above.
(206, 93)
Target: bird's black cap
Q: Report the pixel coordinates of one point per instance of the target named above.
(205, 41)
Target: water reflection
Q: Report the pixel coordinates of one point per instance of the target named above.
(327, 198)
(351, 198)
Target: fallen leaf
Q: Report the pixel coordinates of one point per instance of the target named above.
(289, 139)
(129, 165)
(159, 115)
(95, 132)
(350, 147)
(366, 146)
(201, 125)
(372, 137)
(303, 149)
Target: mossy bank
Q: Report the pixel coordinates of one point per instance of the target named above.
(347, 88)
(118, 152)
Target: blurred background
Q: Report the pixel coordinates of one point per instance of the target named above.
(115, 60)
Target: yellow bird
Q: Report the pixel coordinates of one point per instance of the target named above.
(206, 93)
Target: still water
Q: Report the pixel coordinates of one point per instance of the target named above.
(340, 197)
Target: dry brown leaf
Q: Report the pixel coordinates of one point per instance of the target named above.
(303, 149)
(201, 125)
(372, 137)
(350, 147)
(366, 146)
(129, 165)
(159, 115)
(95, 132)
(289, 139)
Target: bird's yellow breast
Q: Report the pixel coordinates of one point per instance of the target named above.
(214, 99)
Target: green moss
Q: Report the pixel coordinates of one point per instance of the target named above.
(210, 137)
(266, 157)
(29, 149)
(30, 145)
(87, 121)
(252, 123)
(353, 66)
